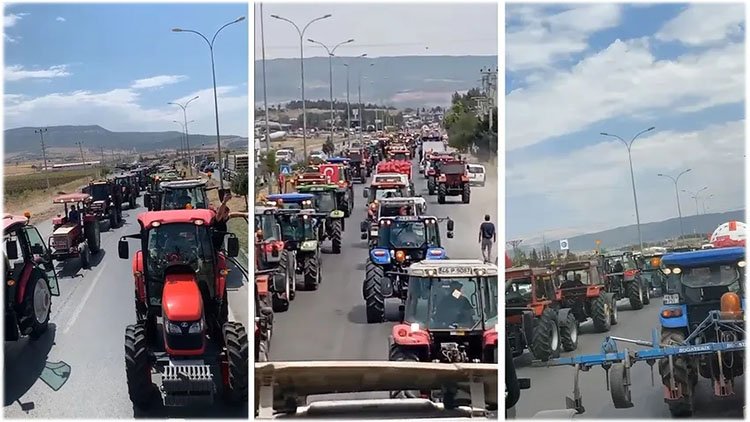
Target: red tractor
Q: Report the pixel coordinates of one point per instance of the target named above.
(180, 279)
(453, 181)
(432, 172)
(80, 238)
(30, 279)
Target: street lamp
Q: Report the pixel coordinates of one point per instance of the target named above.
(632, 177)
(704, 202)
(184, 129)
(348, 104)
(694, 195)
(213, 74)
(677, 194)
(302, 73)
(359, 95)
(187, 139)
(330, 70)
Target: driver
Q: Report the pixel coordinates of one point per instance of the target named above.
(455, 308)
(184, 200)
(408, 236)
(618, 268)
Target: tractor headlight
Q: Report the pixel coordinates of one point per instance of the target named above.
(173, 328)
(677, 270)
(196, 327)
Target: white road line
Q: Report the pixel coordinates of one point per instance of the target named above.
(79, 309)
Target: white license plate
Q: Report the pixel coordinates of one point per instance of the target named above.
(671, 299)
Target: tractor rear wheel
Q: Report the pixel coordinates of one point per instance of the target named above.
(137, 367)
(545, 342)
(601, 313)
(635, 295)
(92, 233)
(336, 236)
(441, 192)
(569, 333)
(398, 353)
(312, 272)
(285, 267)
(112, 219)
(85, 254)
(685, 377)
(466, 194)
(37, 304)
(235, 339)
(646, 293)
(373, 293)
(346, 209)
(132, 203)
(431, 185)
(280, 300)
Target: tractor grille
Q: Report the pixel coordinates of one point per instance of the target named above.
(60, 243)
(185, 341)
(187, 384)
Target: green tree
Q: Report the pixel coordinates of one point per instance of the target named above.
(534, 258)
(328, 147)
(240, 185)
(269, 164)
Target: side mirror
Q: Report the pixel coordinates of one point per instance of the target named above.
(450, 225)
(450, 235)
(122, 249)
(233, 247)
(38, 250)
(365, 193)
(11, 249)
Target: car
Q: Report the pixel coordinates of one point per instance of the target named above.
(477, 174)
(319, 155)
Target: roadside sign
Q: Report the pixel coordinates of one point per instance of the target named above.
(564, 245)
(285, 169)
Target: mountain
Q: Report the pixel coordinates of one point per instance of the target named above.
(23, 139)
(404, 81)
(628, 235)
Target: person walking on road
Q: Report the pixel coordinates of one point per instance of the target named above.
(487, 236)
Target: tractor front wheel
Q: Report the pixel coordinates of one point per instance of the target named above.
(431, 185)
(93, 235)
(466, 194)
(312, 272)
(373, 293)
(137, 367)
(132, 203)
(112, 219)
(37, 304)
(441, 192)
(569, 333)
(235, 338)
(601, 313)
(635, 295)
(685, 377)
(85, 254)
(545, 342)
(336, 236)
(398, 353)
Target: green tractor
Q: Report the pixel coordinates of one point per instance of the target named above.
(326, 203)
(299, 231)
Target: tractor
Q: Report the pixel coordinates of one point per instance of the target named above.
(271, 254)
(533, 318)
(432, 171)
(581, 288)
(107, 201)
(649, 266)
(179, 194)
(332, 217)
(451, 316)
(181, 279)
(389, 207)
(30, 279)
(387, 185)
(357, 165)
(453, 181)
(128, 187)
(71, 239)
(338, 173)
(623, 279)
(300, 235)
(402, 241)
(291, 201)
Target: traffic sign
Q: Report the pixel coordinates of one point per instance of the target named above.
(285, 169)
(564, 245)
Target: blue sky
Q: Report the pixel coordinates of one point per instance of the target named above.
(574, 71)
(117, 65)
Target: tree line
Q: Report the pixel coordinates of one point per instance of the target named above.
(467, 130)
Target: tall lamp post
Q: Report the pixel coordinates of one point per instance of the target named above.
(677, 194)
(359, 95)
(302, 73)
(216, 100)
(184, 130)
(187, 139)
(330, 70)
(694, 196)
(632, 177)
(704, 202)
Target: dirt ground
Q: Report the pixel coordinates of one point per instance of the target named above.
(39, 203)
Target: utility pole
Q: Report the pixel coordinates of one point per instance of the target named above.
(80, 148)
(41, 131)
(265, 97)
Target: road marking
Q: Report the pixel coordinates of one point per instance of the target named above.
(79, 309)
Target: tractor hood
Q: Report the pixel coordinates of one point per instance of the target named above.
(181, 298)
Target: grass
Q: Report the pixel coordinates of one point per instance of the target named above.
(16, 185)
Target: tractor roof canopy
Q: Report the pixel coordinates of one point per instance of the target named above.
(71, 198)
(291, 197)
(704, 257)
(13, 222)
(149, 219)
(183, 184)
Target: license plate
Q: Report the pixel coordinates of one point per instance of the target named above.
(671, 299)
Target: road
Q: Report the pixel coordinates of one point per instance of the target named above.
(87, 332)
(549, 386)
(330, 323)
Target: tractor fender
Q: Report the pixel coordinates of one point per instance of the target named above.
(562, 316)
(140, 285)
(674, 322)
(261, 281)
(403, 335)
(527, 325)
(489, 338)
(23, 282)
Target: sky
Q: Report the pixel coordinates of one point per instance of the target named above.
(418, 29)
(576, 71)
(118, 65)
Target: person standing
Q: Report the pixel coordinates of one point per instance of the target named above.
(487, 236)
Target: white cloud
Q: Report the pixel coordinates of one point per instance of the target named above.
(158, 81)
(10, 39)
(17, 73)
(542, 40)
(703, 24)
(122, 110)
(12, 19)
(600, 188)
(60, 19)
(621, 80)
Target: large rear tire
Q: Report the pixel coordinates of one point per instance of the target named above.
(684, 376)
(235, 338)
(312, 272)
(137, 367)
(545, 342)
(635, 295)
(441, 193)
(569, 333)
(112, 219)
(85, 254)
(93, 236)
(132, 203)
(336, 236)
(466, 194)
(601, 313)
(373, 294)
(431, 185)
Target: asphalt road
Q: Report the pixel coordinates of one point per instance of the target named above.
(550, 385)
(330, 323)
(87, 330)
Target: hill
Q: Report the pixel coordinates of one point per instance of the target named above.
(24, 139)
(405, 81)
(628, 235)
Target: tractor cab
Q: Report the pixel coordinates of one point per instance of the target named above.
(180, 195)
(298, 227)
(79, 238)
(450, 314)
(267, 237)
(127, 183)
(325, 200)
(408, 239)
(650, 266)
(338, 173)
(386, 185)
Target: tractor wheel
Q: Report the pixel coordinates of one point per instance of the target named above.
(466, 194)
(112, 219)
(441, 192)
(312, 273)
(37, 303)
(279, 303)
(85, 254)
(285, 269)
(93, 236)
(373, 294)
(398, 353)
(235, 338)
(685, 377)
(569, 333)
(132, 203)
(615, 315)
(601, 313)
(431, 185)
(345, 206)
(137, 367)
(646, 294)
(635, 295)
(336, 236)
(545, 342)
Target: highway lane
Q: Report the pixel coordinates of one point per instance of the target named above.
(330, 323)
(549, 386)
(87, 333)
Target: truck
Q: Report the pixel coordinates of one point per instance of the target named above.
(235, 164)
